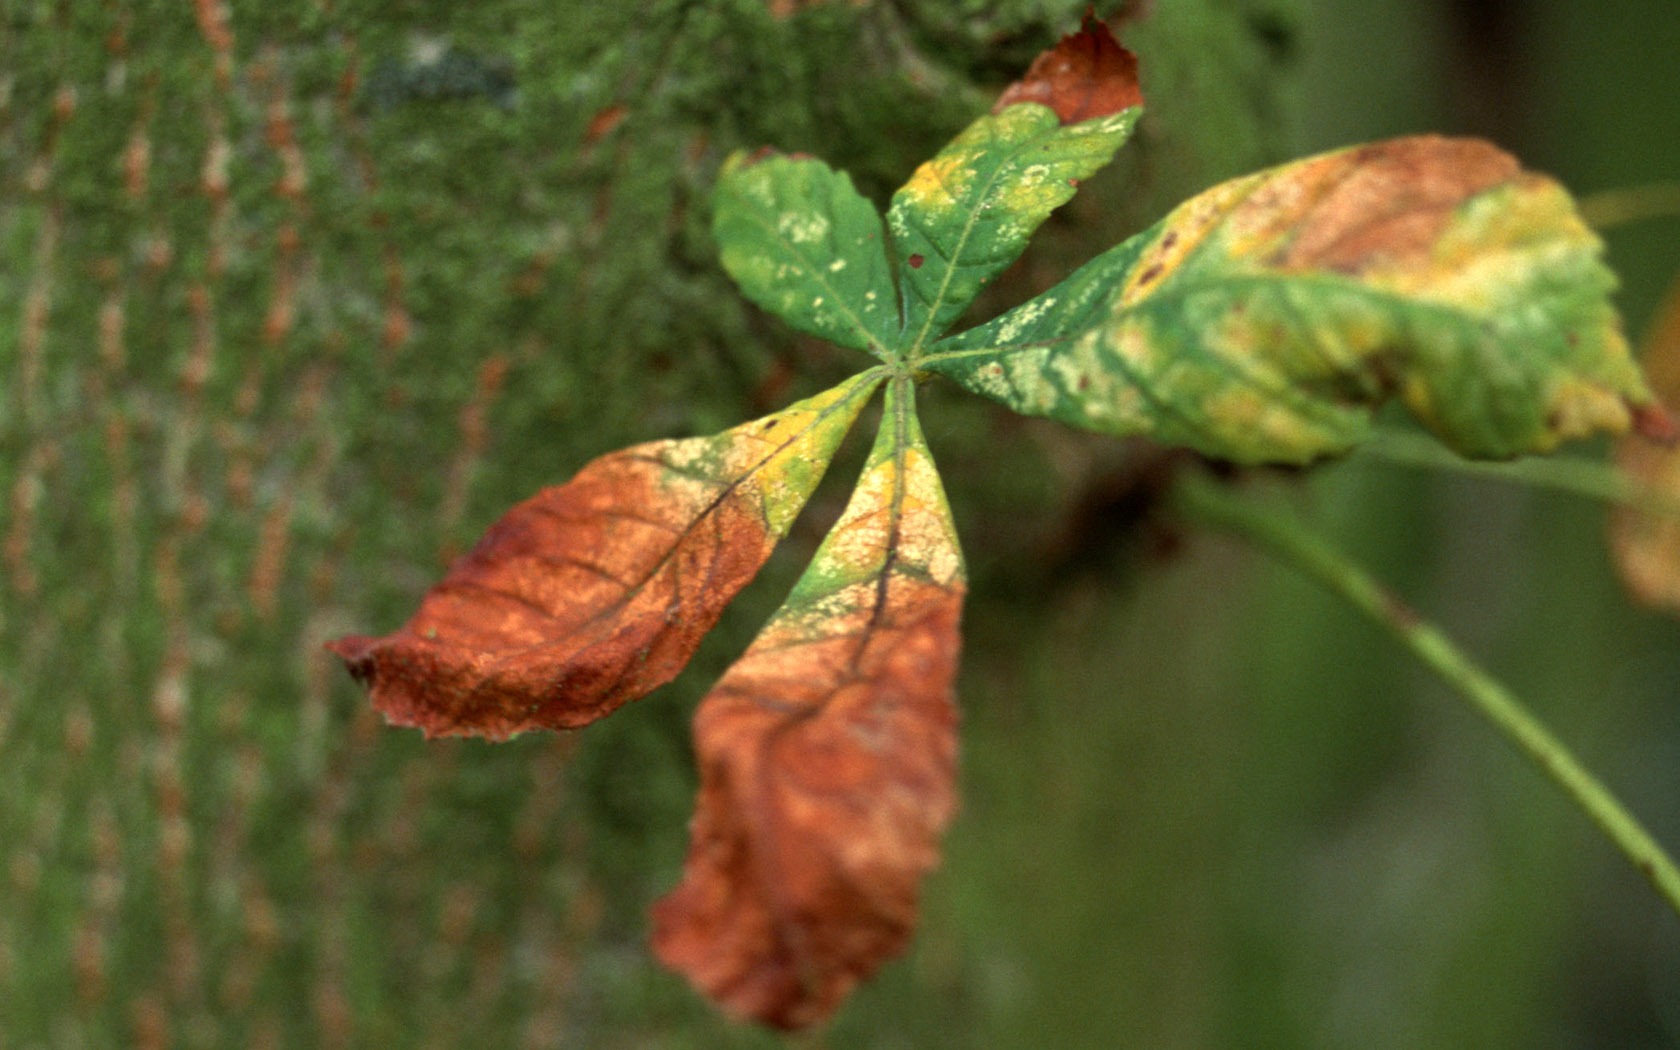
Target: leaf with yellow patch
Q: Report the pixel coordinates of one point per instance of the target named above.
(967, 214)
(1262, 320)
(827, 757)
(595, 592)
(1646, 544)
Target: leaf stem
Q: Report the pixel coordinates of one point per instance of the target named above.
(1629, 204)
(1207, 501)
(1588, 479)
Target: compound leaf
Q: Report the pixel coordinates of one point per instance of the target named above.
(827, 757)
(1646, 544)
(1262, 320)
(801, 242)
(595, 592)
(967, 214)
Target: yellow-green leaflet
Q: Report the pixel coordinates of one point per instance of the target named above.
(1264, 319)
(967, 214)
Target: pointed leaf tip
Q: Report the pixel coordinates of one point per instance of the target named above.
(1087, 75)
(967, 214)
(1656, 423)
(593, 593)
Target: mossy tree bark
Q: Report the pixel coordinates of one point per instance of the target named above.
(297, 298)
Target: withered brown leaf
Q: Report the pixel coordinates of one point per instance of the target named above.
(595, 592)
(1646, 545)
(827, 758)
(1088, 74)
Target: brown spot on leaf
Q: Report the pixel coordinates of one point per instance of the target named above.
(1087, 75)
(915, 262)
(1388, 202)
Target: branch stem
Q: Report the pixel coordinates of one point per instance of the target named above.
(1586, 478)
(1206, 501)
(1630, 204)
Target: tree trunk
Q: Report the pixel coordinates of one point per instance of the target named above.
(297, 298)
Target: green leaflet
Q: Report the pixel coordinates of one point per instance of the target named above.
(801, 242)
(967, 214)
(1264, 319)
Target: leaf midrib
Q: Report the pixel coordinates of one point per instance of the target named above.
(1166, 296)
(912, 352)
(820, 275)
(865, 388)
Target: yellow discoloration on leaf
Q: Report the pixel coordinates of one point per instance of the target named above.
(1262, 320)
(927, 534)
(966, 214)
(937, 184)
(828, 758)
(802, 229)
(1181, 234)
(800, 444)
(898, 510)
(593, 593)
(1580, 409)
(1489, 247)
(1275, 423)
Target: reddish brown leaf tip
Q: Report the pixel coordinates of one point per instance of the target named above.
(578, 600)
(1085, 76)
(1655, 423)
(596, 592)
(825, 788)
(353, 649)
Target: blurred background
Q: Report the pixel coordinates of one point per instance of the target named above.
(296, 298)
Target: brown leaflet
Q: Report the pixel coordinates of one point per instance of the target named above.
(1087, 75)
(1646, 545)
(828, 760)
(595, 592)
